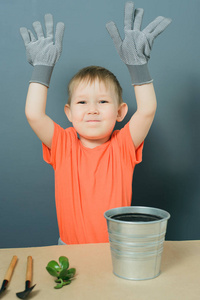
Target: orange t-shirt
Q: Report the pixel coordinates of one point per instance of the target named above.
(89, 182)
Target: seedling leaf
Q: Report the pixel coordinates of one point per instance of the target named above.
(63, 274)
(52, 271)
(64, 262)
(53, 264)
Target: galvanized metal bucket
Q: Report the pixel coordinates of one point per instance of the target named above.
(136, 236)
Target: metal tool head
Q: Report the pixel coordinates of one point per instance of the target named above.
(26, 292)
(3, 287)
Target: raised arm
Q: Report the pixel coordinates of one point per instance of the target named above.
(142, 119)
(41, 124)
(134, 51)
(42, 53)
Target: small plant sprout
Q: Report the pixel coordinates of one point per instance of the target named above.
(61, 271)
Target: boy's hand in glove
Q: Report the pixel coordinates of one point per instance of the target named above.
(135, 49)
(43, 52)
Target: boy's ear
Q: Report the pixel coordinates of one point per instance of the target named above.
(122, 111)
(67, 111)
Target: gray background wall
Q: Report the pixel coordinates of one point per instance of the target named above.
(169, 176)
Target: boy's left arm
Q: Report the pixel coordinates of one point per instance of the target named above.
(142, 119)
(134, 51)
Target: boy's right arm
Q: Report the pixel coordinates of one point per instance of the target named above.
(42, 53)
(41, 124)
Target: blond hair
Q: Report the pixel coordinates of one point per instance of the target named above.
(91, 73)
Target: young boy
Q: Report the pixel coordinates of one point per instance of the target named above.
(93, 165)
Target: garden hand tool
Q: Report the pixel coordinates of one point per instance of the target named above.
(8, 274)
(28, 288)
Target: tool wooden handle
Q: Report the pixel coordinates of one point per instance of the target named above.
(11, 268)
(29, 268)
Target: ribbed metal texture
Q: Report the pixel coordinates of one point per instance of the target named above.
(136, 247)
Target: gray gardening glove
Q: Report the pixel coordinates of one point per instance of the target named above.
(42, 52)
(135, 49)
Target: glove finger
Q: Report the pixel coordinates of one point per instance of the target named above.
(161, 27)
(114, 33)
(60, 28)
(138, 16)
(38, 29)
(128, 16)
(157, 26)
(49, 25)
(25, 35)
(32, 37)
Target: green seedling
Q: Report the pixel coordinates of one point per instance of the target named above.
(61, 271)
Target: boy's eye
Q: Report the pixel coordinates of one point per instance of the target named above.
(103, 101)
(81, 102)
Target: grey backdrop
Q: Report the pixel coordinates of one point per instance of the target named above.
(168, 177)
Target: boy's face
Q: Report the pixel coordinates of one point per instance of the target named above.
(93, 111)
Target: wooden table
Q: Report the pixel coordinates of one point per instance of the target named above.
(179, 278)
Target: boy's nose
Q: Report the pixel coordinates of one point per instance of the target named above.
(93, 109)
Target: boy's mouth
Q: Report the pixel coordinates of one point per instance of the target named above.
(93, 120)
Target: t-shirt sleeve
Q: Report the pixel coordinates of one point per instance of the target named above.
(127, 146)
(61, 142)
(49, 155)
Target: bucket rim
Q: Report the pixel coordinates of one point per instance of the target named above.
(111, 212)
